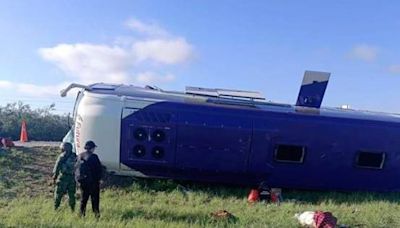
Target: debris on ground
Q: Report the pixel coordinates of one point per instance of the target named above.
(324, 220)
(276, 195)
(306, 219)
(316, 219)
(265, 194)
(6, 143)
(222, 215)
(254, 196)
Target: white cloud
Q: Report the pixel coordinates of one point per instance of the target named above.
(171, 51)
(151, 78)
(150, 29)
(364, 52)
(33, 90)
(394, 69)
(116, 63)
(37, 90)
(5, 85)
(90, 63)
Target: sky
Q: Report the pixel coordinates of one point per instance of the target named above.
(253, 45)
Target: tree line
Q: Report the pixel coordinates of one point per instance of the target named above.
(42, 124)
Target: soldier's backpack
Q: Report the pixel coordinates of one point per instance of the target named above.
(82, 171)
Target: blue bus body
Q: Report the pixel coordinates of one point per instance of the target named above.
(247, 142)
(221, 143)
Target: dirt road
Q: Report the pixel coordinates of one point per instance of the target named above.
(37, 143)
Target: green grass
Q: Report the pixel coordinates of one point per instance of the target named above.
(26, 201)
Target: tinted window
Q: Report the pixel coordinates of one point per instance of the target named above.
(290, 153)
(370, 159)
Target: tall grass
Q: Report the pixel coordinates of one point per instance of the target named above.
(163, 203)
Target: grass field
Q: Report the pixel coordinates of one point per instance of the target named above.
(26, 201)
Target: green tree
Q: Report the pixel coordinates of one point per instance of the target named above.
(42, 124)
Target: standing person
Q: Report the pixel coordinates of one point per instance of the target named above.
(88, 173)
(63, 176)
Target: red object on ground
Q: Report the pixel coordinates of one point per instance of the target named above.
(324, 220)
(254, 196)
(24, 133)
(274, 197)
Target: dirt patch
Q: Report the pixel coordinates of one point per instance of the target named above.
(27, 171)
(37, 144)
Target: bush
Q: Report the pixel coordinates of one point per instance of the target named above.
(41, 123)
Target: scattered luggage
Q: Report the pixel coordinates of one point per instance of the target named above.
(265, 194)
(276, 195)
(306, 219)
(254, 196)
(316, 219)
(324, 220)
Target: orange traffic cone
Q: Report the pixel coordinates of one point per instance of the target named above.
(253, 196)
(24, 133)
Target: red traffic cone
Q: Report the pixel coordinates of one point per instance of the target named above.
(24, 133)
(253, 196)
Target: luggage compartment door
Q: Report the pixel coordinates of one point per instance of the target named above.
(213, 142)
(148, 140)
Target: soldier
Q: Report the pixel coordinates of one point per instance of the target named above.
(88, 173)
(63, 176)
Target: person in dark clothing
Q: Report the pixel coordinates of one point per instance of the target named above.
(88, 174)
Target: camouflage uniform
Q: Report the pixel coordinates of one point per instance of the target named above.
(63, 174)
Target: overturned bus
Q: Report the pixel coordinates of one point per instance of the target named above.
(232, 136)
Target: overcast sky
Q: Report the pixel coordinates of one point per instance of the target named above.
(253, 45)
